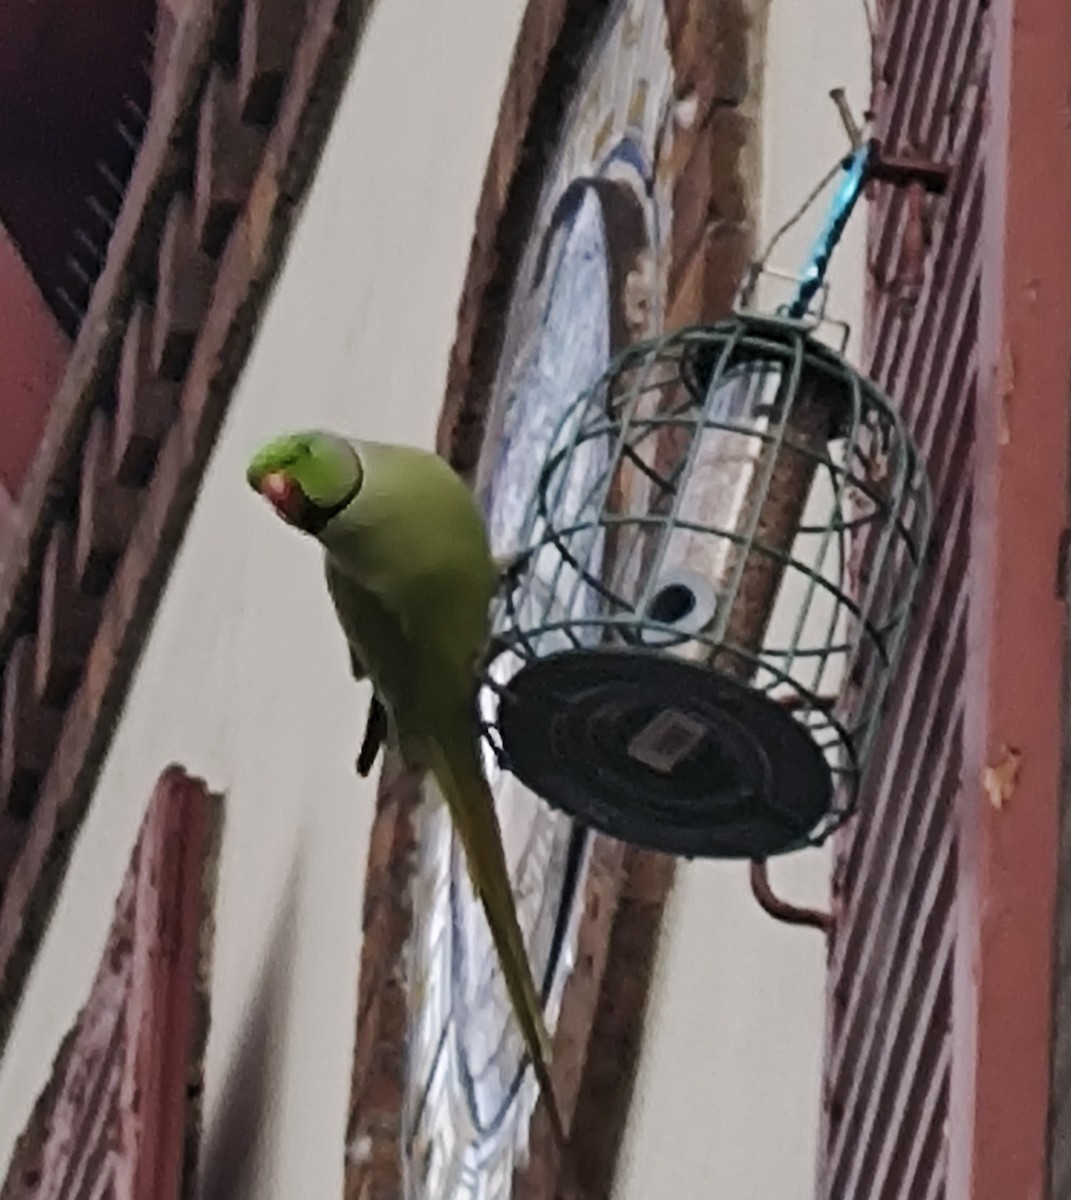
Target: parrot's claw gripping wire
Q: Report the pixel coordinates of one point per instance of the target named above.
(511, 565)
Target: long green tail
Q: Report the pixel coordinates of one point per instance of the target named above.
(456, 766)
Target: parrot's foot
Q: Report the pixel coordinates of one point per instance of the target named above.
(375, 735)
(509, 566)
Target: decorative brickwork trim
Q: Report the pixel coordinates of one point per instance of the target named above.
(120, 1115)
(241, 110)
(551, 49)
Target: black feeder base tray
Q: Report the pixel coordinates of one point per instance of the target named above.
(664, 754)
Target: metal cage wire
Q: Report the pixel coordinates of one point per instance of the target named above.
(734, 498)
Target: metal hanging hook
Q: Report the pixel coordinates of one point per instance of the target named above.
(865, 164)
(783, 910)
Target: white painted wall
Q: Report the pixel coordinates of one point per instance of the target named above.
(244, 680)
(728, 1090)
(245, 650)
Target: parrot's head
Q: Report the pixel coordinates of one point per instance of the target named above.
(308, 478)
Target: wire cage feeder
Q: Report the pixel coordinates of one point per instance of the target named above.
(715, 571)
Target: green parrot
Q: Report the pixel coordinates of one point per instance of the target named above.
(411, 575)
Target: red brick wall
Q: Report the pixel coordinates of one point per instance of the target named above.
(890, 987)
(124, 1094)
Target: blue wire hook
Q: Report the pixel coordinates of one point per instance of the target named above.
(856, 174)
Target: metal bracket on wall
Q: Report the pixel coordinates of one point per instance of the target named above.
(867, 163)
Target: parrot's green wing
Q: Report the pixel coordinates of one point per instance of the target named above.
(412, 578)
(356, 610)
(357, 667)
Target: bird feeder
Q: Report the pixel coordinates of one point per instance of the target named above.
(714, 574)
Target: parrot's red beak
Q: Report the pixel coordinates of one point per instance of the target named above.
(284, 495)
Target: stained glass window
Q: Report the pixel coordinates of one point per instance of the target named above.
(591, 277)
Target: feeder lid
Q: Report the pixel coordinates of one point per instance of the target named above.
(664, 753)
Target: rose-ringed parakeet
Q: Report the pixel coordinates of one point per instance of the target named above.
(411, 575)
